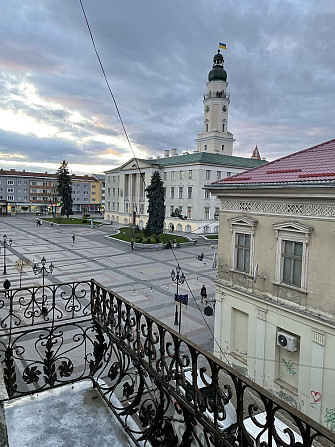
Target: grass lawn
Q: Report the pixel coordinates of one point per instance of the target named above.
(128, 233)
(69, 221)
(211, 236)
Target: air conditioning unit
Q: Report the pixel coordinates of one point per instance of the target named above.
(287, 341)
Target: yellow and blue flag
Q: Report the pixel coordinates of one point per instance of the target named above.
(222, 45)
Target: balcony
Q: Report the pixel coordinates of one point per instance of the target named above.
(221, 94)
(160, 387)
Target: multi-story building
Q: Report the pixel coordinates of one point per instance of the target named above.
(36, 192)
(188, 207)
(275, 314)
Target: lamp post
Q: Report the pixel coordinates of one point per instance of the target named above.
(44, 270)
(178, 279)
(5, 244)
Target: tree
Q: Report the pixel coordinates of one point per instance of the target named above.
(65, 188)
(156, 196)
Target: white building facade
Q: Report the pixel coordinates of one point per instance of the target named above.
(189, 208)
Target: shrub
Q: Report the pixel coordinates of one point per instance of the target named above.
(149, 240)
(137, 229)
(84, 220)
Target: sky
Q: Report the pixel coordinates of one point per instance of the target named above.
(55, 104)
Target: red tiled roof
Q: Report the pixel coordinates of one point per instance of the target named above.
(316, 163)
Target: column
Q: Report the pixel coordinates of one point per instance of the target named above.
(316, 383)
(260, 345)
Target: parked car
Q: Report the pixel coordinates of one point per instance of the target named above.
(178, 420)
(254, 431)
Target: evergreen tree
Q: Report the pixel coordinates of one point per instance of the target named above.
(65, 188)
(156, 197)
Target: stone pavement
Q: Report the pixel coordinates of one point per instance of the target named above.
(141, 276)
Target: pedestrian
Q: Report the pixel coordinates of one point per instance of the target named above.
(172, 228)
(73, 238)
(203, 293)
(132, 244)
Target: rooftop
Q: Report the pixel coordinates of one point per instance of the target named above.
(315, 164)
(206, 158)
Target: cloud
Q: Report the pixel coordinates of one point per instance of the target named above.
(156, 57)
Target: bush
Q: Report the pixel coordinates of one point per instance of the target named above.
(139, 239)
(137, 229)
(149, 240)
(84, 220)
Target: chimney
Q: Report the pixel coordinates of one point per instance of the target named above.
(173, 152)
(166, 153)
(13, 170)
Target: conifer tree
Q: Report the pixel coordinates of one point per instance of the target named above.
(156, 210)
(65, 189)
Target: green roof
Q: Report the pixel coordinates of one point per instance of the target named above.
(206, 158)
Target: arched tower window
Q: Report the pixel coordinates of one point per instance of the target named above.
(206, 126)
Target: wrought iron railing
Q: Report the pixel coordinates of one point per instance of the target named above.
(163, 388)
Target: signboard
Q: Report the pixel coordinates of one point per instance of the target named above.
(183, 299)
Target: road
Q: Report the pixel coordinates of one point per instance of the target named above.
(142, 276)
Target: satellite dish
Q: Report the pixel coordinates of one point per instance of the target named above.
(254, 279)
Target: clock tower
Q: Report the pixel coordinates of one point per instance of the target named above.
(215, 137)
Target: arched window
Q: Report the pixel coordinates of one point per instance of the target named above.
(223, 126)
(216, 229)
(141, 225)
(188, 229)
(179, 227)
(207, 229)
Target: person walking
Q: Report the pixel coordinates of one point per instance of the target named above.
(73, 238)
(172, 228)
(132, 244)
(203, 293)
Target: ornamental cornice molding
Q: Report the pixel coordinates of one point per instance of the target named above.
(297, 209)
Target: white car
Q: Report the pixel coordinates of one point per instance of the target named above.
(253, 430)
(178, 420)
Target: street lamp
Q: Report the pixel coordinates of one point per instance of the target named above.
(178, 279)
(5, 244)
(44, 270)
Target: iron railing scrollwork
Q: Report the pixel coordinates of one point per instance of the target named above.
(164, 389)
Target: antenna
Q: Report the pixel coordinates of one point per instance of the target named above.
(254, 279)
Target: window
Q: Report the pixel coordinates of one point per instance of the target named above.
(25, 190)
(292, 254)
(218, 175)
(10, 182)
(19, 182)
(189, 212)
(242, 248)
(180, 208)
(181, 175)
(113, 206)
(19, 198)
(93, 186)
(292, 261)
(242, 256)
(228, 174)
(207, 195)
(206, 127)
(239, 334)
(172, 192)
(206, 212)
(205, 147)
(34, 183)
(93, 193)
(180, 192)
(189, 192)
(10, 197)
(25, 182)
(222, 147)
(171, 210)
(189, 174)
(141, 208)
(164, 175)
(173, 175)
(127, 207)
(10, 189)
(113, 192)
(208, 175)
(223, 127)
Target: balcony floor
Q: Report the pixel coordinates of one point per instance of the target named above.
(69, 416)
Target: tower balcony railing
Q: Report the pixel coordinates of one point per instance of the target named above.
(163, 389)
(217, 94)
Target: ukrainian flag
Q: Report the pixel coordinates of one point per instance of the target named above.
(222, 45)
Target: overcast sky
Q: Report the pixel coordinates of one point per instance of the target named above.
(55, 104)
